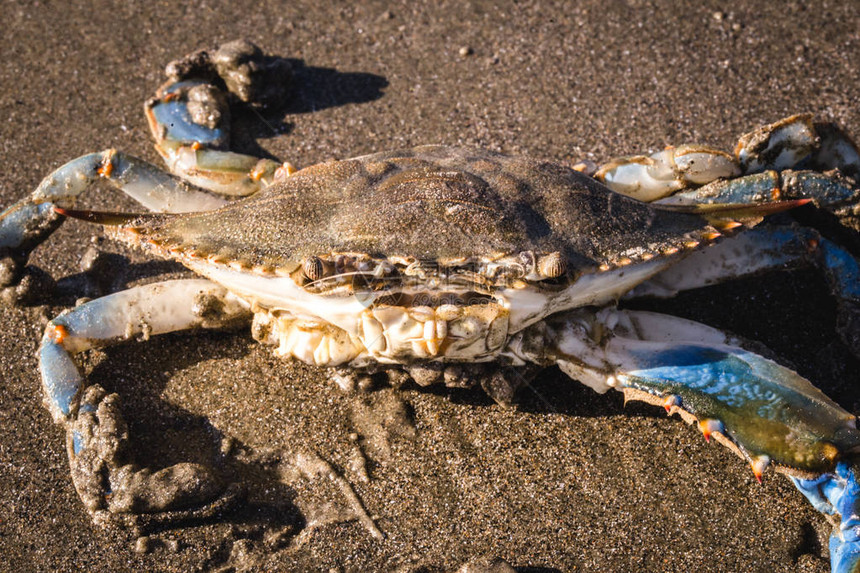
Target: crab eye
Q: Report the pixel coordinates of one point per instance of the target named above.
(313, 268)
(527, 258)
(552, 265)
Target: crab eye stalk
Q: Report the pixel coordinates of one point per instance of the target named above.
(313, 268)
(528, 260)
(552, 265)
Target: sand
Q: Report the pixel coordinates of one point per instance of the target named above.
(568, 480)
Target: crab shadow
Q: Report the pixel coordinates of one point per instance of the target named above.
(163, 433)
(313, 89)
(112, 273)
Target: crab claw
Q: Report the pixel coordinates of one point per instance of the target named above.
(838, 492)
(109, 482)
(190, 115)
(190, 122)
(763, 411)
(766, 413)
(780, 145)
(760, 409)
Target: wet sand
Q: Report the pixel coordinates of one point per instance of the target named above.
(568, 480)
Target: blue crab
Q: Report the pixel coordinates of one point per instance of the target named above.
(436, 260)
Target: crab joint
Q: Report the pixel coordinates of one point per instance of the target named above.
(57, 333)
(284, 171)
(775, 193)
(106, 167)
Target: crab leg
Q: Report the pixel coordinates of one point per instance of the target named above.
(760, 169)
(107, 481)
(764, 412)
(145, 183)
(839, 196)
(189, 118)
(29, 222)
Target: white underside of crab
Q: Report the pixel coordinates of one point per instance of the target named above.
(333, 330)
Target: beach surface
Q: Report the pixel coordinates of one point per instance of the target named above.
(567, 480)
